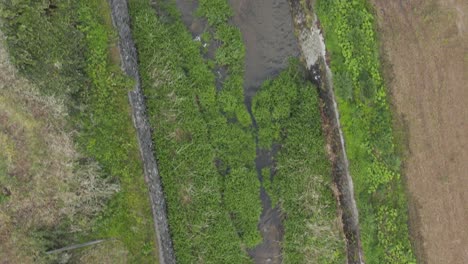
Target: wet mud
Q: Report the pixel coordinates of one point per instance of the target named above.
(270, 224)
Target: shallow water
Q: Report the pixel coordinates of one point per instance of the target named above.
(268, 34)
(187, 9)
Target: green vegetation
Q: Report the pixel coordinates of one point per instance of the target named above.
(367, 126)
(287, 113)
(232, 134)
(108, 135)
(44, 44)
(231, 126)
(203, 137)
(47, 43)
(41, 186)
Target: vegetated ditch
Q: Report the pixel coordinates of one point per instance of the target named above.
(267, 31)
(268, 34)
(269, 40)
(314, 52)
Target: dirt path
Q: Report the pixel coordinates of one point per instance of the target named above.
(425, 44)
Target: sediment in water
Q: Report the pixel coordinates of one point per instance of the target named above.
(313, 50)
(129, 60)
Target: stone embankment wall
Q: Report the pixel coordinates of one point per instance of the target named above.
(129, 64)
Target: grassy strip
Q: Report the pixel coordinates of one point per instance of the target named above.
(287, 113)
(205, 157)
(367, 126)
(98, 92)
(108, 136)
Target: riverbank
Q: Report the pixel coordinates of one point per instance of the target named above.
(314, 53)
(375, 164)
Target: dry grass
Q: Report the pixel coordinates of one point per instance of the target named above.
(41, 185)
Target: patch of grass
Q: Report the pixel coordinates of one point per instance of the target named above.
(233, 135)
(44, 43)
(203, 137)
(367, 126)
(108, 136)
(111, 251)
(64, 48)
(287, 113)
(45, 198)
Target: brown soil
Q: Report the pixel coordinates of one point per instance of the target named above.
(425, 47)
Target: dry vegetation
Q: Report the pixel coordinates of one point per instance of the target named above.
(43, 193)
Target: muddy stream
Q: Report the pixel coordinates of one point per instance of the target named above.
(268, 34)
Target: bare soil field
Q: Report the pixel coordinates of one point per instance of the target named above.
(425, 48)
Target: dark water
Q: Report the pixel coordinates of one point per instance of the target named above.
(270, 225)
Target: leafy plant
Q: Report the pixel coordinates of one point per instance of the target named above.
(286, 110)
(63, 47)
(205, 145)
(366, 122)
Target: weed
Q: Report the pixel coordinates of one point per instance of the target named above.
(204, 141)
(74, 65)
(367, 126)
(287, 113)
(45, 197)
